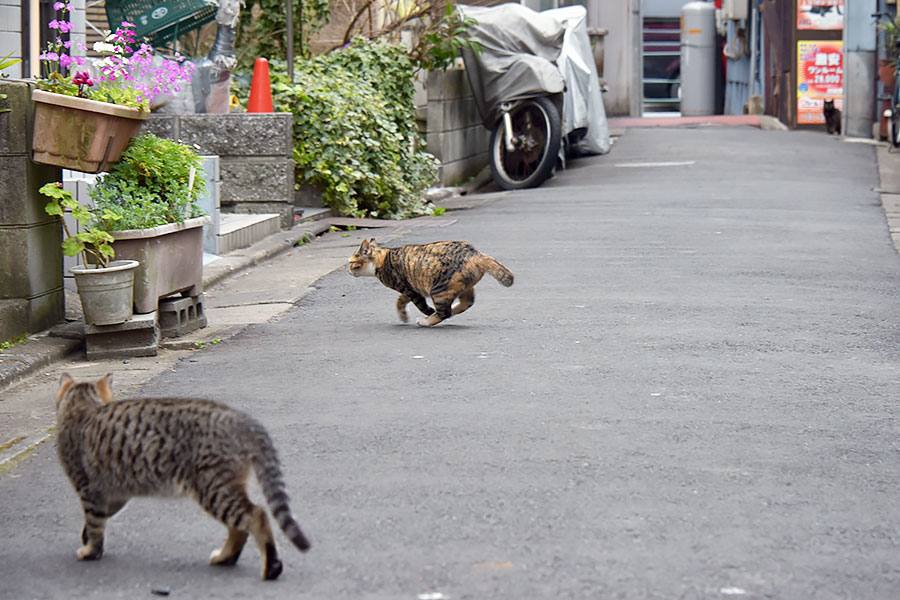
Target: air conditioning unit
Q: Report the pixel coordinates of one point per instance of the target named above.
(735, 10)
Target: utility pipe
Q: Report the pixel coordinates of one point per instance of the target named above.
(34, 38)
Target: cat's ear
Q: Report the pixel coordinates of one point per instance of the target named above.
(104, 388)
(65, 382)
(363, 248)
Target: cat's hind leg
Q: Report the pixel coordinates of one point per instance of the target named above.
(442, 310)
(262, 534)
(466, 300)
(230, 552)
(96, 512)
(229, 503)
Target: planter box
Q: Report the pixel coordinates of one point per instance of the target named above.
(171, 258)
(81, 134)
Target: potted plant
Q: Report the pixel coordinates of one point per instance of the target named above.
(887, 67)
(84, 122)
(147, 202)
(106, 286)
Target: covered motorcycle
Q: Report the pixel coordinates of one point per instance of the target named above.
(535, 84)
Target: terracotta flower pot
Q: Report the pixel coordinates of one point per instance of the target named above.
(887, 73)
(81, 134)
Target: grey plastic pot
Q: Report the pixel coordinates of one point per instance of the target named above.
(107, 294)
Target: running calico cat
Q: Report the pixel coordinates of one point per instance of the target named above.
(113, 451)
(443, 271)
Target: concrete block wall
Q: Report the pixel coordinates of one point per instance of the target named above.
(31, 290)
(255, 157)
(454, 132)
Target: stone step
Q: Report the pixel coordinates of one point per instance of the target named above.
(239, 231)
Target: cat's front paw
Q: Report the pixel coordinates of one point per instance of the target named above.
(423, 322)
(402, 315)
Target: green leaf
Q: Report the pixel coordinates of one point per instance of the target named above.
(72, 246)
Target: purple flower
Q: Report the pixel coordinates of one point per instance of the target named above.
(54, 24)
(65, 27)
(49, 56)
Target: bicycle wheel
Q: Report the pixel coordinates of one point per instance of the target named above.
(536, 128)
(895, 115)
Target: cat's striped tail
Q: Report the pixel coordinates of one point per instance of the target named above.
(497, 270)
(268, 472)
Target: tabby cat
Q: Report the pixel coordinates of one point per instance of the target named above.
(113, 451)
(832, 117)
(443, 271)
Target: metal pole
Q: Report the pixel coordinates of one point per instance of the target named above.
(754, 40)
(289, 46)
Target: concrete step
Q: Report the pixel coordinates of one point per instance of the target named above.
(239, 231)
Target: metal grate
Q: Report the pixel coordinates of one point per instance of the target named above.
(161, 22)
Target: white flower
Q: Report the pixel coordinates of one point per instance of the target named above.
(103, 47)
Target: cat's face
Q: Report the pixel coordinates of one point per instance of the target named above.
(829, 104)
(362, 263)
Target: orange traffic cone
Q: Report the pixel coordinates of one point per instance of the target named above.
(260, 89)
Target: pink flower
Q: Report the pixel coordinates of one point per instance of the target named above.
(49, 56)
(65, 27)
(54, 24)
(82, 78)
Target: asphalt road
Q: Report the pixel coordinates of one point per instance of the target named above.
(689, 392)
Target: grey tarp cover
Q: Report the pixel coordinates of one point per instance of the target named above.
(527, 53)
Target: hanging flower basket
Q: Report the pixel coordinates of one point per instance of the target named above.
(81, 134)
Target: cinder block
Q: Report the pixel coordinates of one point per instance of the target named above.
(257, 179)
(15, 121)
(161, 125)
(449, 115)
(180, 316)
(458, 171)
(459, 144)
(139, 336)
(13, 318)
(451, 83)
(284, 210)
(31, 263)
(240, 134)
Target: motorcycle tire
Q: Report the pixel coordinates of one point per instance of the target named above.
(537, 129)
(895, 115)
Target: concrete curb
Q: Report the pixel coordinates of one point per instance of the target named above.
(34, 354)
(60, 342)
(275, 244)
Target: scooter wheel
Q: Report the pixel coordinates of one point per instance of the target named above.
(536, 128)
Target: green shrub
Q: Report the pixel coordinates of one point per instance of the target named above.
(355, 135)
(150, 186)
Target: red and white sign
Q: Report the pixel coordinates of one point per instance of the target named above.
(820, 76)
